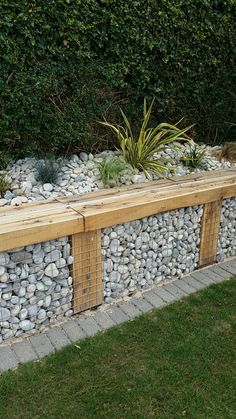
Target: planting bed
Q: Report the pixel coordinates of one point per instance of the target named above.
(43, 281)
(80, 174)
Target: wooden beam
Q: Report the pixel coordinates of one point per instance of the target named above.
(202, 178)
(24, 229)
(120, 209)
(87, 270)
(41, 221)
(210, 225)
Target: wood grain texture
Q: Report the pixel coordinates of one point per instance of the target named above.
(120, 209)
(23, 228)
(210, 225)
(87, 270)
(42, 221)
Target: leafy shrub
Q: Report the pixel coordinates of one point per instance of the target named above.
(48, 169)
(194, 157)
(140, 150)
(65, 65)
(111, 170)
(4, 184)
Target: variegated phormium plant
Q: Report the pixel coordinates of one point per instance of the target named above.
(141, 151)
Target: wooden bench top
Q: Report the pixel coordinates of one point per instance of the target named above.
(50, 219)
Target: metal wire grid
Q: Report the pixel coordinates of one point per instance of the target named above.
(210, 226)
(226, 246)
(87, 270)
(141, 253)
(35, 287)
(39, 284)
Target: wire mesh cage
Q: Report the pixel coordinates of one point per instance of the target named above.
(87, 270)
(144, 252)
(36, 287)
(42, 283)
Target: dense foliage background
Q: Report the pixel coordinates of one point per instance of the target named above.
(66, 63)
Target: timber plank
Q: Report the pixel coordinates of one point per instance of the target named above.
(210, 225)
(175, 182)
(87, 270)
(178, 181)
(46, 220)
(115, 211)
(23, 232)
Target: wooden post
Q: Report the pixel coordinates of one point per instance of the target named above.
(209, 232)
(87, 270)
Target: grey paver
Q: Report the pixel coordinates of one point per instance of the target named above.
(184, 286)
(164, 294)
(104, 320)
(173, 289)
(8, 359)
(130, 309)
(153, 299)
(89, 325)
(229, 267)
(73, 331)
(221, 272)
(194, 282)
(58, 337)
(42, 345)
(142, 304)
(117, 315)
(24, 351)
(206, 280)
(212, 275)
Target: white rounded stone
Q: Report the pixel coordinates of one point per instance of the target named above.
(26, 325)
(5, 314)
(51, 270)
(48, 187)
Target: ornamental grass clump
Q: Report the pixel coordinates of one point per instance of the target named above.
(48, 169)
(111, 170)
(194, 157)
(141, 150)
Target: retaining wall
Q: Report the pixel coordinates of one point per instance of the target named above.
(36, 286)
(227, 234)
(141, 253)
(194, 224)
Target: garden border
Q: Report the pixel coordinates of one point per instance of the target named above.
(82, 217)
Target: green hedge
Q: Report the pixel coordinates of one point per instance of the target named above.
(65, 63)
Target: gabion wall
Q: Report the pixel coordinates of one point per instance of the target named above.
(35, 287)
(227, 233)
(140, 253)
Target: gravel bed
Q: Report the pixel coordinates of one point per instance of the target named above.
(36, 288)
(80, 174)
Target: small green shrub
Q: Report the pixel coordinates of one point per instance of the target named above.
(140, 150)
(194, 157)
(4, 184)
(4, 160)
(111, 169)
(48, 169)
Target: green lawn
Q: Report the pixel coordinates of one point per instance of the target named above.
(172, 363)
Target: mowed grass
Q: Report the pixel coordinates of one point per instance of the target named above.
(171, 363)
